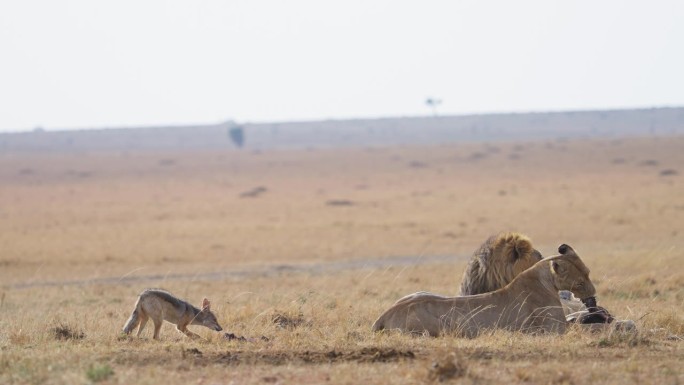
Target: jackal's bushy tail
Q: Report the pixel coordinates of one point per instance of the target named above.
(133, 320)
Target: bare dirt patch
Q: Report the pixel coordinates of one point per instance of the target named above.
(254, 193)
(339, 202)
(365, 355)
(271, 358)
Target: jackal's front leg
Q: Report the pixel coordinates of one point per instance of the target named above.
(183, 329)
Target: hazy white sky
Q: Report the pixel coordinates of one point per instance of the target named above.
(84, 63)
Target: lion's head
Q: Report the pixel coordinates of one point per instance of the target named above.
(500, 259)
(570, 273)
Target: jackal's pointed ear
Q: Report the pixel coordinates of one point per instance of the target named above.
(206, 305)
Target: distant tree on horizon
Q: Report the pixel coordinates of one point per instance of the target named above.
(237, 135)
(433, 103)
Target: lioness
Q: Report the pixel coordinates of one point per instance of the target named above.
(529, 303)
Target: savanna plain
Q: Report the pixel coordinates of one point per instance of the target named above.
(300, 250)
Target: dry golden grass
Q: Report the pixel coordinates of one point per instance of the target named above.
(171, 219)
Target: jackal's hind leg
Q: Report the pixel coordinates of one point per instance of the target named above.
(143, 321)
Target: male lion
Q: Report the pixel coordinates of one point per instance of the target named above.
(529, 303)
(500, 259)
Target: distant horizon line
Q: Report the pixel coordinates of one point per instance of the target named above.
(42, 128)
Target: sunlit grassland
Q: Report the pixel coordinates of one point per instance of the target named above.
(75, 229)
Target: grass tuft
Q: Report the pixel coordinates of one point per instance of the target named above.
(449, 366)
(66, 332)
(288, 320)
(99, 373)
(618, 339)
